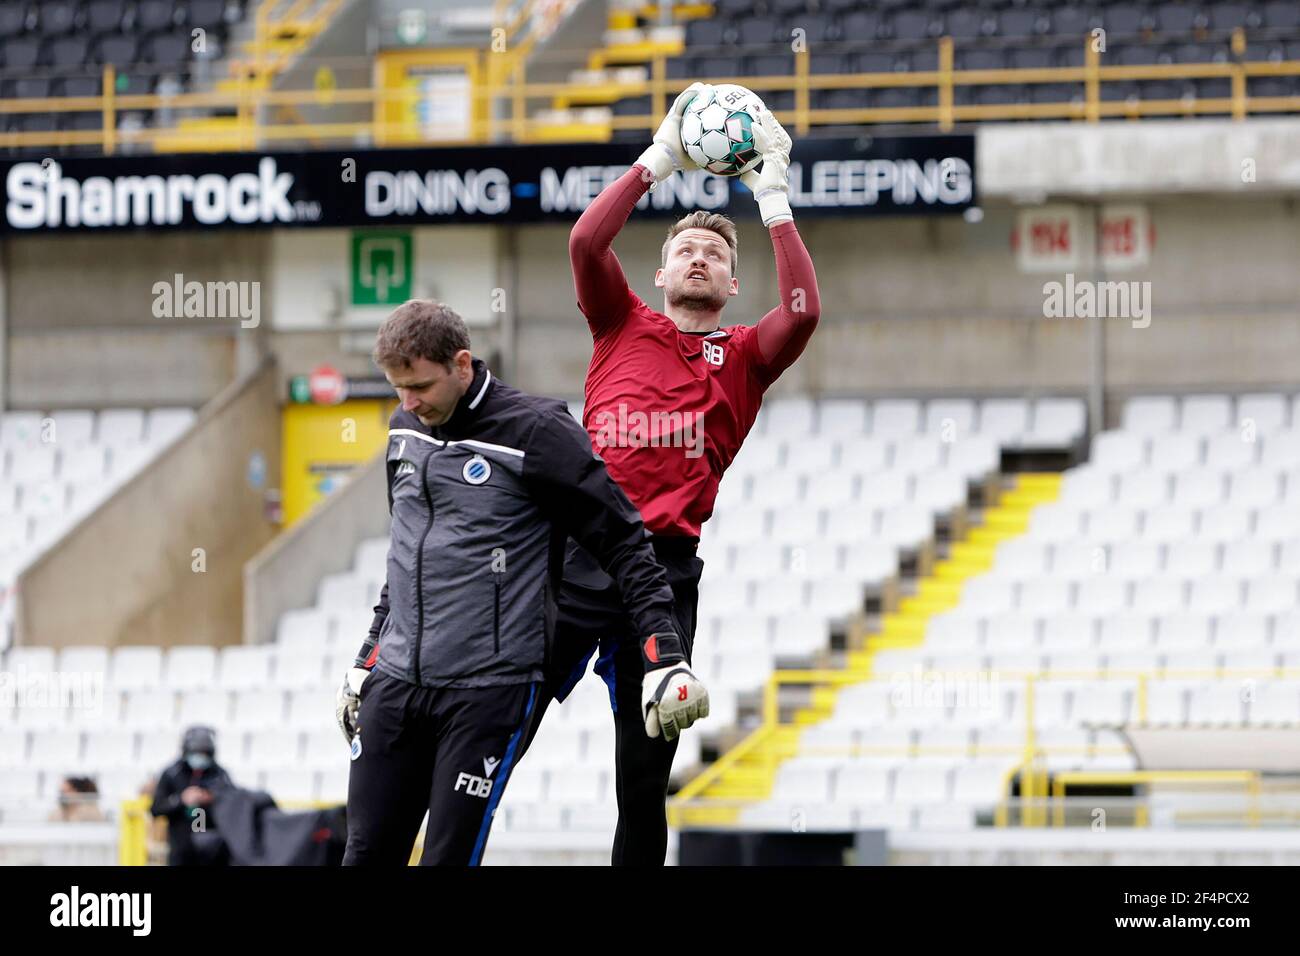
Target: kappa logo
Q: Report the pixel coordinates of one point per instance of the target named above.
(476, 470)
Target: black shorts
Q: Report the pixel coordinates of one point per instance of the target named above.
(591, 618)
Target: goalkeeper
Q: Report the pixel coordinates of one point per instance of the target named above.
(681, 366)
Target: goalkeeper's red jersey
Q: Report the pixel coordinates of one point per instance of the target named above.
(668, 410)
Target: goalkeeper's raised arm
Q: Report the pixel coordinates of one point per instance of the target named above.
(601, 286)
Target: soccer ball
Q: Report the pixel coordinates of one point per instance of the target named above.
(717, 129)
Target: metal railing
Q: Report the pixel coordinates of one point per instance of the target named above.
(1042, 792)
(503, 100)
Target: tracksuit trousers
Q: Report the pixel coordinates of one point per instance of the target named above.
(448, 751)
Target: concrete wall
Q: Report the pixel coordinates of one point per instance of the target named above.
(1154, 157)
(127, 573)
(285, 574)
(82, 331)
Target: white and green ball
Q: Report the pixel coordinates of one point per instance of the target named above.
(717, 129)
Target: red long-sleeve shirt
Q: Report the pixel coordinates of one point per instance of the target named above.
(667, 409)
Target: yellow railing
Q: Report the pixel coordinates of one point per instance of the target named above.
(1034, 778)
(502, 79)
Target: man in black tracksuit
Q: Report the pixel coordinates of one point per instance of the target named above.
(485, 485)
(184, 796)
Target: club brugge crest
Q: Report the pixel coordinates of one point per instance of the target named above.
(476, 470)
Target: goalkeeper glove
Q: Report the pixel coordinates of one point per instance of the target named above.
(771, 184)
(348, 702)
(672, 698)
(666, 153)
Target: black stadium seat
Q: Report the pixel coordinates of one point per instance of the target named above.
(1134, 55)
(1281, 15)
(905, 96)
(118, 49)
(841, 99)
(152, 16)
(965, 24)
(1212, 88)
(1265, 50)
(33, 123)
(860, 26)
(13, 19)
(633, 106)
(1123, 19)
(733, 8)
(1200, 53)
(1118, 91)
(922, 60)
(1176, 18)
(1021, 22)
(55, 17)
(78, 86)
(167, 51)
(206, 14)
(105, 16)
(1165, 89)
(1072, 53)
(910, 25)
(779, 100)
(1231, 16)
(817, 27)
(770, 64)
(30, 88)
(20, 53)
(828, 64)
(875, 61)
(705, 33)
(787, 7)
(67, 53)
(679, 68)
(979, 60)
(1070, 21)
(1055, 92)
(1273, 85)
(1031, 58)
(755, 31)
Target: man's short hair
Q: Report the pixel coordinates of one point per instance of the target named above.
(420, 329)
(714, 222)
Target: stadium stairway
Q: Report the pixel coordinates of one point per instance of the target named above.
(747, 773)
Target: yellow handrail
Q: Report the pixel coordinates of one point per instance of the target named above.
(505, 79)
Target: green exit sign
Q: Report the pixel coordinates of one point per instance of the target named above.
(381, 267)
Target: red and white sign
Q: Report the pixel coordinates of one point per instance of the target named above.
(327, 386)
(1056, 238)
(1046, 238)
(1126, 237)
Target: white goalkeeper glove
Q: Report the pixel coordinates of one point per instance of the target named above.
(348, 702)
(672, 698)
(771, 184)
(666, 153)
